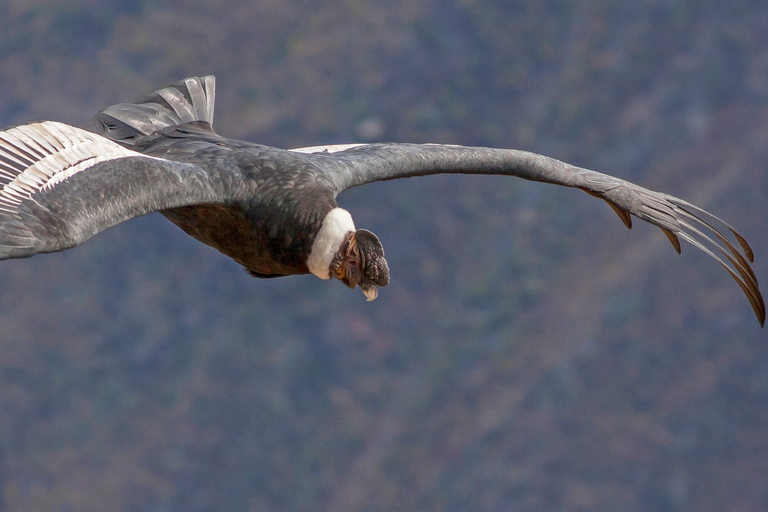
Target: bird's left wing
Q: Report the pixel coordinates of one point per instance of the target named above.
(350, 165)
(60, 185)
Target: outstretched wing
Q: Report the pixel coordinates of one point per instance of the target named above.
(351, 165)
(60, 185)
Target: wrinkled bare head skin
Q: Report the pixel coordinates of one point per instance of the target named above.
(360, 262)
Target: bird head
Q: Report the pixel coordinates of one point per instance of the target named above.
(360, 262)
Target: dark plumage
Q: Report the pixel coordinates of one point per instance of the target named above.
(272, 210)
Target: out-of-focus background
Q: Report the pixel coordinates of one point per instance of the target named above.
(530, 353)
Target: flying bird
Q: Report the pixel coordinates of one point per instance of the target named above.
(272, 210)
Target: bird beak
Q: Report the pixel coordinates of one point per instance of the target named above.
(370, 291)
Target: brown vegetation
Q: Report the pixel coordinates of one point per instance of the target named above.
(530, 353)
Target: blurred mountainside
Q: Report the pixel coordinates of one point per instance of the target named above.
(530, 352)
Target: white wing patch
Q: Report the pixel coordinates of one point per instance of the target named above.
(336, 148)
(327, 149)
(37, 156)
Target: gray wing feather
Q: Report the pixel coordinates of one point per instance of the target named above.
(349, 166)
(189, 100)
(201, 92)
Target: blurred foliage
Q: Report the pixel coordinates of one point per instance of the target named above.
(530, 353)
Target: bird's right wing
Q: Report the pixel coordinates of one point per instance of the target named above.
(352, 165)
(60, 185)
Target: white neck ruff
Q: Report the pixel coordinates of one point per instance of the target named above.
(336, 224)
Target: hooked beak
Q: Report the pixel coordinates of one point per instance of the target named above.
(370, 291)
(360, 262)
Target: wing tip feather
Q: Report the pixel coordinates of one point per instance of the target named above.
(673, 238)
(744, 245)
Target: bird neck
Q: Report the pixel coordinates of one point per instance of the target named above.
(334, 229)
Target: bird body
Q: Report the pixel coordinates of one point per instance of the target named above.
(272, 210)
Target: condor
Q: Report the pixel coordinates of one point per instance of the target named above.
(272, 210)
